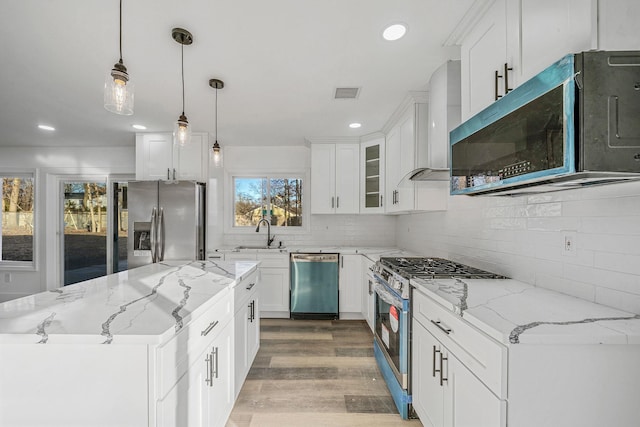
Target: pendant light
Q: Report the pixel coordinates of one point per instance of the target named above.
(182, 130)
(118, 88)
(216, 151)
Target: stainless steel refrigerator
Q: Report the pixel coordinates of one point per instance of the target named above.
(167, 221)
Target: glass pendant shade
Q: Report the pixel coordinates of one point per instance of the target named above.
(182, 131)
(118, 91)
(216, 155)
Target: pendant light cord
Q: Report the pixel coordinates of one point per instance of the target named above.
(121, 31)
(182, 54)
(216, 114)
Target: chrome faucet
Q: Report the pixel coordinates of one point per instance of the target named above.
(269, 236)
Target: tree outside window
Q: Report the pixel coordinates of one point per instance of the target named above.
(279, 200)
(16, 237)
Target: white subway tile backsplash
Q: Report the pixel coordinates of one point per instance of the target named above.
(524, 238)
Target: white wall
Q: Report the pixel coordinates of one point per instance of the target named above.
(50, 161)
(523, 238)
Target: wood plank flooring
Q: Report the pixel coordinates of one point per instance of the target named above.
(315, 373)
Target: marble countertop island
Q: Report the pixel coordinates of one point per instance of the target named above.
(513, 312)
(143, 305)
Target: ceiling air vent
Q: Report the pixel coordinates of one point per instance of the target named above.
(347, 92)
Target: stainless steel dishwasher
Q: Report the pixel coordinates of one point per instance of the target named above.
(314, 286)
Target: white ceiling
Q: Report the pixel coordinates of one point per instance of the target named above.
(281, 61)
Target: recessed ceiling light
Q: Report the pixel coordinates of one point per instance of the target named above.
(45, 127)
(139, 127)
(355, 125)
(394, 32)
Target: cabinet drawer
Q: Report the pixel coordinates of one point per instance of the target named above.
(273, 260)
(244, 289)
(482, 355)
(175, 357)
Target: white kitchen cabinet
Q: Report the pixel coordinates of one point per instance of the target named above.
(274, 280)
(335, 178)
(406, 149)
(368, 295)
(246, 328)
(445, 392)
(158, 158)
(372, 169)
(513, 41)
(204, 396)
(350, 286)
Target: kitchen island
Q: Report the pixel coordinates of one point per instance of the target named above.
(147, 346)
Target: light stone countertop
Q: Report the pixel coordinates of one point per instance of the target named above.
(372, 253)
(514, 312)
(147, 304)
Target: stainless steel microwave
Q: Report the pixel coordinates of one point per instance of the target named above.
(575, 124)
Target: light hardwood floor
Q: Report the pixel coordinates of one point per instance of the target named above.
(315, 373)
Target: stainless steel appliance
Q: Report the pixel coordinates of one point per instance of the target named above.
(166, 221)
(392, 342)
(314, 286)
(575, 124)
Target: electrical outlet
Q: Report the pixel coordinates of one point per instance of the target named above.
(7, 277)
(569, 240)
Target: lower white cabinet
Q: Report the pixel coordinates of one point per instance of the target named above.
(204, 396)
(445, 392)
(368, 294)
(274, 280)
(246, 327)
(350, 286)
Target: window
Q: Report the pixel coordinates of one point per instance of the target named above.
(279, 200)
(16, 237)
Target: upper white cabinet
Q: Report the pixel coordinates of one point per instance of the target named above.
(483, 55)
(158, 158)
(513, 41)
(372, 169)
(406, 150)
(335, 178)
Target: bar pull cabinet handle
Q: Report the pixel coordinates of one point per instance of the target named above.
(434, 370)
(495, 85)
(506, 78)
(209, 328)
(174, 174)
(381, 200)
(208, 380)
(251, 285)
(332, 202)
(442, 326)
(338, 202)
(442, 359)
(168, 174)
(253, 310)
(214, 353)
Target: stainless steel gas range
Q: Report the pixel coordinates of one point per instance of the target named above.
(392, 343)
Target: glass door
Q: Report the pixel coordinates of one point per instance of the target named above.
(120, 225)
(85, 230)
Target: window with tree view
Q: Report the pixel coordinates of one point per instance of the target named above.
(16, 237)
(279, 200)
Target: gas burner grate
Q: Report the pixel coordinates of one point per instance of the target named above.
(424, 267)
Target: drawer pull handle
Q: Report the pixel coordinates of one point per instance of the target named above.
(209, 328)
(251, 285)
(440, 326)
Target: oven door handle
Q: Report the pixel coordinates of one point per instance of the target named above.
(387, 296)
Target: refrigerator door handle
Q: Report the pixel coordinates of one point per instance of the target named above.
(154, 219)
(161, 235)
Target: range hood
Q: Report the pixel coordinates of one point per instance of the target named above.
(444, 114)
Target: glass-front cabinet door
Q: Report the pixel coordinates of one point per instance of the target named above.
(372, 176)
